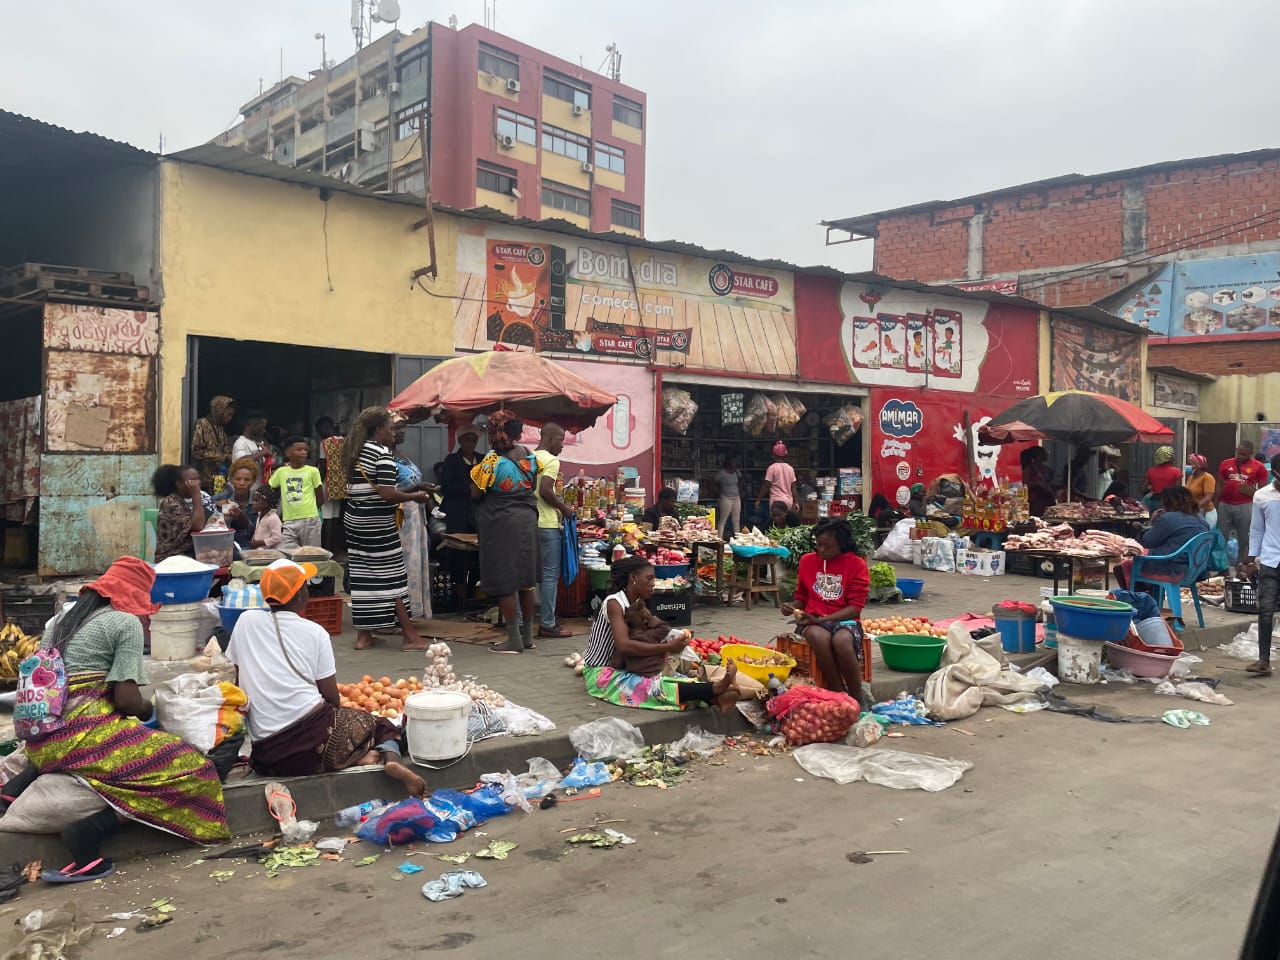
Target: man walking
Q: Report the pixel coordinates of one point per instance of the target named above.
(1264, 558)
(551, 510)
(1239, 478)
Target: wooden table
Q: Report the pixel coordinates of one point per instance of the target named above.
(1071, 561)
(717, 548)
(252, 574)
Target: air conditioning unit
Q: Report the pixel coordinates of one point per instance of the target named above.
(513, 85)
(508, 141)
(579, 109)
(587, 167)
(393, 86)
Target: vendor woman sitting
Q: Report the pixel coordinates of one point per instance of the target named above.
(611, 642)
(286, 667)
(831, 590)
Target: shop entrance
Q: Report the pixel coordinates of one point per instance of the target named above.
(21, 387)
(292, 386)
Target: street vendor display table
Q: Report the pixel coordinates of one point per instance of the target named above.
(1071, 562)
(252, 574)
(761, 575)
(716, 547)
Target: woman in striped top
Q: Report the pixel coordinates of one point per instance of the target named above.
(610, 641)
(375, 556)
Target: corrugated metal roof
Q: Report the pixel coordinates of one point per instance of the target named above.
(240, 161)
(865, 224)
(31, 144)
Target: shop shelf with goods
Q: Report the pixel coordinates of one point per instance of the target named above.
(699, 453)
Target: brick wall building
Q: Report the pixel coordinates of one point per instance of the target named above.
(1077, 239)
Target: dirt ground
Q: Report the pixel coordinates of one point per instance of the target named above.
(1068, 838)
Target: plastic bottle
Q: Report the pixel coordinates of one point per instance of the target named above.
(1233, 550)
(350, 816)
(1050, 624)
(775, 686)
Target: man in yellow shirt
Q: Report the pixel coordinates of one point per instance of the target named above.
(550, 533)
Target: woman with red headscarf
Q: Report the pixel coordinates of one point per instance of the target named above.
(144, 775)
(502, 484)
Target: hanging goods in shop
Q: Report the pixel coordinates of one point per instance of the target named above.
(678, 409)
(843, 423)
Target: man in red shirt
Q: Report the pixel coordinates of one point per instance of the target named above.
(1238, 480)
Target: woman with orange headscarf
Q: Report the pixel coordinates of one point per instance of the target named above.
(1203, 484)
(502, 484)
(105, 740)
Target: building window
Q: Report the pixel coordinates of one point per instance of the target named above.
(624, 215)
(413, 63)
(628, 112)
(407, 120)
(490, 176)
(409, 179)
(563, 88)
(499, 62)
(564, 198)
(518, 127)
(565, 143)
(609, 157)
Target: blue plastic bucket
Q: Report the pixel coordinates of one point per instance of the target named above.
(1017, 636)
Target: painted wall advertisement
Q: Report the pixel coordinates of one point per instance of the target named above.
(918, 435)
(1092, 358)
(855, 333)
(558, 294)
(1225, 296)
(1175, 393)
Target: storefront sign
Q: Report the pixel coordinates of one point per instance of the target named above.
(101, 329)
(732, 408)
(1096, 359)
(1007, 287)
(917, 436)
(887, 336)
(1175, 393)
(1223, 297)
(556, 294)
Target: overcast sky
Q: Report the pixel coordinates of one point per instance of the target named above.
(764, 117)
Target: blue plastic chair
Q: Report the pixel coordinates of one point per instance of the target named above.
(1195, 554)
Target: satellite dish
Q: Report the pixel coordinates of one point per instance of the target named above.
(388, 11)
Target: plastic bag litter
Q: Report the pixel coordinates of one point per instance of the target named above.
(300, 831)
(605, 738)
(1042, 676)
(332, 844)
(521, 721)
(1245, 644)
(510, 789)
(583, 774)
(452, 884)
(404, 822)
(1182, 666)
(56, 933)
(698, 742)
(1027, 706)
(906, 709)
(1183, 719)
(865, 732)
(1193, 691)
(888, 768)
(1110, 675)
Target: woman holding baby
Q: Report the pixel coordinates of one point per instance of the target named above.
(624, 659)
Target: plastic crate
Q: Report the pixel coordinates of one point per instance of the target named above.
(1241, 596)
(326, 611)
(797, 648)
(29, 611)
(571, 598)
(444, 592)
(673, 606)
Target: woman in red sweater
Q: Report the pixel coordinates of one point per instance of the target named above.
(831, 590)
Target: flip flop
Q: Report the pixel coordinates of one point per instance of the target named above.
(1258, 669)
(281, 804)
(501, 648)
(70, 873)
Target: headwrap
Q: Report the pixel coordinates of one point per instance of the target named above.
(1163, 455)
(917, 488)
(499, 439)
(779, 449)
(1199, 461)
(217, 407)
(127, 585)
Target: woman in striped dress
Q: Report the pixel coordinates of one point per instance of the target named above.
(375, 556)
(610, 640)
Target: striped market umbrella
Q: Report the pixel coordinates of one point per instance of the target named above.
(1075, 417)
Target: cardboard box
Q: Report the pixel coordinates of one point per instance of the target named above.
(980, 563)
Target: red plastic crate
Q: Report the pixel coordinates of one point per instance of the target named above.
(571, 598)
(797, 648)
(326, 611)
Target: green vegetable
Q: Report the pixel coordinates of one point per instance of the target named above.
(883, 575)
(686, 510)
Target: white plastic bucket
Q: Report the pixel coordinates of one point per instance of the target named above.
(436, 724)
(175, 631)
(1079, 661)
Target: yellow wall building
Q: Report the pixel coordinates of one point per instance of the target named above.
(248, 258)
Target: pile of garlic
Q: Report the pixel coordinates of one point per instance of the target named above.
(439, 675)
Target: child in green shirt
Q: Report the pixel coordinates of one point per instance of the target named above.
(301, 495)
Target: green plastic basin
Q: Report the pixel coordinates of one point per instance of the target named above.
(910, 652)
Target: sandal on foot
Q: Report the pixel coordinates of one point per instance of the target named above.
(501, 648)
(1258, 669)
(93, 870)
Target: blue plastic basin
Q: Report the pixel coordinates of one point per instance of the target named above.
(182, 587)
(1088, 618)
(911, 588)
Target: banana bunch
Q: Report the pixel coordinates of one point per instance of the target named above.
(15, 646)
